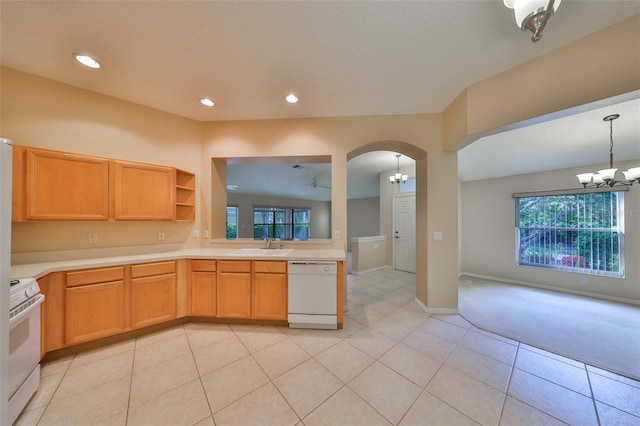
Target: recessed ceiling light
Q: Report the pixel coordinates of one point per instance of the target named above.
(207, 102)
(291, 98)
(87, 60)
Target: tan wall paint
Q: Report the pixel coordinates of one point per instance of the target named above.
(319, 225)
(488, 237)
(47, 114)
(346, 137)
(43, 113)
(369, 254)
(598, 66)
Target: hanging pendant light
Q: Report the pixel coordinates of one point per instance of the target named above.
(398, 177)
(608, 176)
(532, 15)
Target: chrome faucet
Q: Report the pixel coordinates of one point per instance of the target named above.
(268, 241)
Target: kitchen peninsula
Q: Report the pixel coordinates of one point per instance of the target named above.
(95, 300)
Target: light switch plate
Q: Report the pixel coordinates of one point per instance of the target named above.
(437, 236)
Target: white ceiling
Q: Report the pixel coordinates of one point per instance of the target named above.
(579, 139)
(341, 58)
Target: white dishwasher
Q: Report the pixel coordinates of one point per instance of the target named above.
(313, 294)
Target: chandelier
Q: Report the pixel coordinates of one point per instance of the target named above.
(608, 176)
(398, 177)
(532, 15)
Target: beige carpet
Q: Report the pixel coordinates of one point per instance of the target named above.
(597, 332)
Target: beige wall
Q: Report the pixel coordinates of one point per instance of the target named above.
(598, 66)
(488, 234)
(320, 219)
(43, 113)
(47, 114)
(369, 254)
(418, 136)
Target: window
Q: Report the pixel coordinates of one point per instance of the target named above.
(281, 223)
(232, 222)
(573, 232)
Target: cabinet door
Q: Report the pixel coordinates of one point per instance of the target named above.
(143, 191)
(94, 311)
(269, 297)
(62, 186)
(153, 300)
(234, 295)
(203, 294)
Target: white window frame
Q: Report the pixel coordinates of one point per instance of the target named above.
(557, 251)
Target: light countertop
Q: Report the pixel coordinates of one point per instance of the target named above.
(40, 269)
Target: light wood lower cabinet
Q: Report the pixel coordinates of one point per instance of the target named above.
(234, 289)
(85, 305)
(153, 293)
(203, 288)
(94, 304)
(269, 291)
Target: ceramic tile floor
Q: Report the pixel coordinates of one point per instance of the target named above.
(391, 364)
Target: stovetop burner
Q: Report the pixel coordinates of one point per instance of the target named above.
(22, 290)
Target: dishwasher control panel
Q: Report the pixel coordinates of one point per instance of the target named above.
(312, 268)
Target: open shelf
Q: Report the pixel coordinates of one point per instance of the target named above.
(185, 196)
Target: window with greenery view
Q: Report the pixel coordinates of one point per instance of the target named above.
(232, 222)
(281, 223)
(577, 232)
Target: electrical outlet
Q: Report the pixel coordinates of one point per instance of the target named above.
(437, 236)
(196, 233)
(375, 246)
(583, 280)
(337, 234)
(205, 233)
(93, 238)
(161, 236)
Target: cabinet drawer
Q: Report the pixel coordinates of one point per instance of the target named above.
(234, 265)
(270, 266)
(203, 265)
(149, 269)
(94, 276)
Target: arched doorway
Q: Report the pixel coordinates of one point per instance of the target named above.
(420, 157)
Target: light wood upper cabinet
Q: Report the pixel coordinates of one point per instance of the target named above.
(61, 186)
(143, 191)
(153, 293)
(54, 185)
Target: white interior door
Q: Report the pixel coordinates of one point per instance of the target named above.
(404, 232)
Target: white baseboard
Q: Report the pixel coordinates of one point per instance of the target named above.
(366, 271)
(544, 287)
(440, 311)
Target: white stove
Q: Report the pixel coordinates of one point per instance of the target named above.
(24, 343)
(21, 291)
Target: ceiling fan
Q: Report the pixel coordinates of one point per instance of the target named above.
(315, 184)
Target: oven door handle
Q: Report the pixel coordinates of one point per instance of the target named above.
(34, 303)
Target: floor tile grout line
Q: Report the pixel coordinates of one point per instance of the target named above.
(64, 373)
(204, 391)
(343, 338)
(593, 396)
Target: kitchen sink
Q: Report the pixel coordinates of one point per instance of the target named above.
(249, 252)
